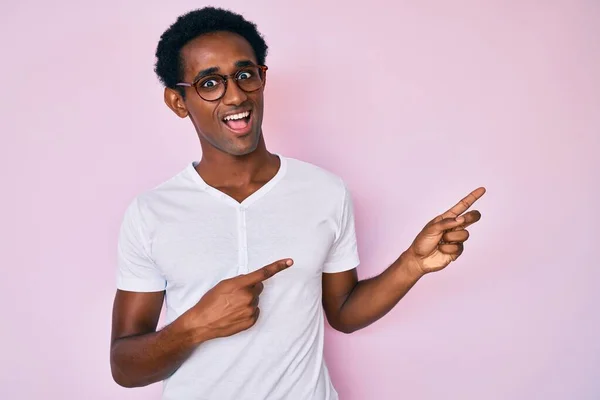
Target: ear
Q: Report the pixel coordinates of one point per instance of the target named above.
(175, 102)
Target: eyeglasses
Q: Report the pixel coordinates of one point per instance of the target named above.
(213, 87)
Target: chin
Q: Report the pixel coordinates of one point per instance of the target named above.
(240, 152)
(243, 146)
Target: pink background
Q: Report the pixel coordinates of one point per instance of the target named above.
(413, 103)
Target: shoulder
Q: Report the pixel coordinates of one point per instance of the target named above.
(175, 186)
(318, 178)
(143, 207)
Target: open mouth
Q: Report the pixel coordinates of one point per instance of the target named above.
(239, 123)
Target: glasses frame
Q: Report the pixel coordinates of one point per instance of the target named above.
(226, 79)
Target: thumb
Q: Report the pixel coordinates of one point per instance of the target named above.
(445, 224)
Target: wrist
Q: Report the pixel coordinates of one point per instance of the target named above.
(193, 331)
(408, 262)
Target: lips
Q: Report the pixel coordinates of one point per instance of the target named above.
(237, 116)
(239, 123)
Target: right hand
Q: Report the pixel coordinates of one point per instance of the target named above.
(232, 305)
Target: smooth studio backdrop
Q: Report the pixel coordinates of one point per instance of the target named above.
(413, 103)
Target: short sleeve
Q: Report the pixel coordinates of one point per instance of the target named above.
(136, 270)
(343, 254)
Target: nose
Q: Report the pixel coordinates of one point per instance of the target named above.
(234, 96)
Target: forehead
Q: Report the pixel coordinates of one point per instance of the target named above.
(218, 49)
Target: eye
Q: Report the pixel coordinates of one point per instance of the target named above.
(244, 75)
(209, 83)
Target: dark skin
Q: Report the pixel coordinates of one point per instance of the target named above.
(238, 166)
(351, 305)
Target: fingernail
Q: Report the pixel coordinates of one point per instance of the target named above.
(289, 263)
(460, 219)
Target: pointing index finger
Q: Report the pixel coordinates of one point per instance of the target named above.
(464, 204)
(264, 273)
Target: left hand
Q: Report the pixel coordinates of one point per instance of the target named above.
(441, 240)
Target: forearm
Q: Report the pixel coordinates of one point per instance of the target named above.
(372, 298)
(141, 360)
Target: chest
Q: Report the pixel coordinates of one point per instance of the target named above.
(197, 252)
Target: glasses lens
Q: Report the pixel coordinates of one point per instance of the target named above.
(249, 79)
(211, 87)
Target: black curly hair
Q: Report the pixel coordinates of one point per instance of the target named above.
(169, 68)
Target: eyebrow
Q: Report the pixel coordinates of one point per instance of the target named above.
(205, 72)
(244, 63)
(214, 70)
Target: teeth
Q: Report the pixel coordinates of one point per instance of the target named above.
(237, 116)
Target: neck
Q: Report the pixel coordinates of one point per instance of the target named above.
(220, 169)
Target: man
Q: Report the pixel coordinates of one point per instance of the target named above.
(246, 247)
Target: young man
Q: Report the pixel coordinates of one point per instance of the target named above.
(246, 247)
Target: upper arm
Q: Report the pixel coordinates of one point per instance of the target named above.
(137, 271)
(339, 271)
(343, 254)
(337, 287)
(135, 313)
(141, 286)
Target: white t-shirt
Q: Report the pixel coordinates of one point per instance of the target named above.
(185, 236)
